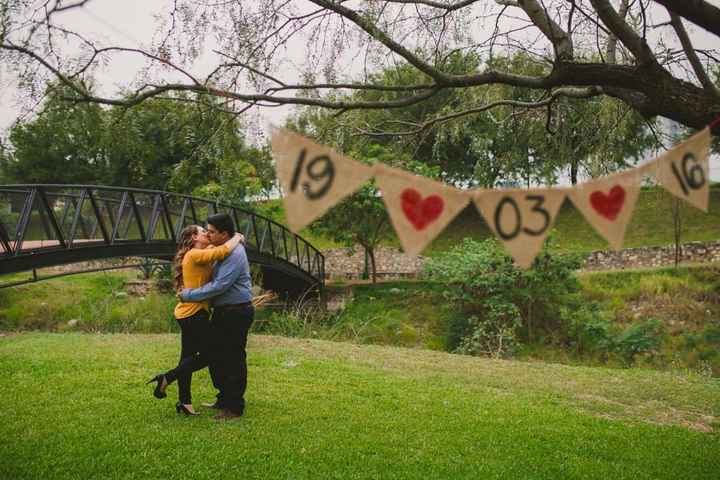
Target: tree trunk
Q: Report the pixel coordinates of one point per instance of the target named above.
(365, 273)
(574, 171)
(371, 252)
(677, 230)
(529, 322)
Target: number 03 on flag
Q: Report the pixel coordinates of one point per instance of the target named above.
(313, 177)
(520, 219)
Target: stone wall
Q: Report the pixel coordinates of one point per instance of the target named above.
(341, 263)
(695, 252)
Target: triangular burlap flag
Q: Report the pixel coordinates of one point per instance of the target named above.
(647, 170)
(419, 208)
(684, 170)
(608, 203)
(520, 219)
(313, 177)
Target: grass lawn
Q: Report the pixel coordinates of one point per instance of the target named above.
(75, 406)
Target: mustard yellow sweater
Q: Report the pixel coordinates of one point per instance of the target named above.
(197, 271)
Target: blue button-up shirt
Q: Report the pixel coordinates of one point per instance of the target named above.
(230, 284)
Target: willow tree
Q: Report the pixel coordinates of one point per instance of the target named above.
(640, 52)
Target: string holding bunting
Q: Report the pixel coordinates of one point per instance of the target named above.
(419, 208)
(313, 177)
(520, 219)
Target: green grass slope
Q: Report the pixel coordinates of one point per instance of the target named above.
(75, 406)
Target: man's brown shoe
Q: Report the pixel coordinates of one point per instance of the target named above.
(226, 414)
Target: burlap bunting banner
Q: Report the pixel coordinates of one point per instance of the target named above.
(419, 208)
(684, 170)
(313, 177)
(608, 203)
(520, 219)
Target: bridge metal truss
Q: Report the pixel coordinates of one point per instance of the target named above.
(50, 225)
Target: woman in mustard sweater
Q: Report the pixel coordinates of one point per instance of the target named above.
(193, 268)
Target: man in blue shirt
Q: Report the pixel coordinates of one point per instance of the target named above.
(230, 294)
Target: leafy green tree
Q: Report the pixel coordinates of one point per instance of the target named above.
(509, 145)
(149, 143)
(185, 146)
(261, 160)
(64, 144)
(361, 220)
(595, 137)
(4, 162)
(454, 160)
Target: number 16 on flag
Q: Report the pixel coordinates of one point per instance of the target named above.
(684, 170)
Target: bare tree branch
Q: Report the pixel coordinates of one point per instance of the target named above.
(698, 12)
(552, 31)
(58, 8)
(449, 7)
(419, 128)
(691, 55)
(612, 40)
(383, 38)
(424, 34)
(622, 30)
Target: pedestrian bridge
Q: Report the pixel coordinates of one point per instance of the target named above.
(51, 225)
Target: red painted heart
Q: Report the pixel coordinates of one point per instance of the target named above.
(421, 212)
(609, 205)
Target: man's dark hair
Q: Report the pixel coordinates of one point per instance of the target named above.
(222, 223)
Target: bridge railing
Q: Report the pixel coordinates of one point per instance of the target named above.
(36, 218)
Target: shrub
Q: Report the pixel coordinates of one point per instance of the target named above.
(494, 336)
(588, 330)
(639, 338)
(504, 304)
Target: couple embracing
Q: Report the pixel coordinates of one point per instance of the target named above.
(212, 269)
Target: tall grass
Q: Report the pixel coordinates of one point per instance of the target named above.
(411, 314)
(685, 303)
(89, 303)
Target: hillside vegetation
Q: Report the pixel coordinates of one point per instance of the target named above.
(667, 319)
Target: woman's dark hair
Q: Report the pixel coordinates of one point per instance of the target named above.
(222, 223)
(185, 244)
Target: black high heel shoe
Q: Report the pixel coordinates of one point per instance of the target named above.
(162, 384)
(180, 408)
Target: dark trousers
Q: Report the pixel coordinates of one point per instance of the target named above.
(194, 352)
(228, 361)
